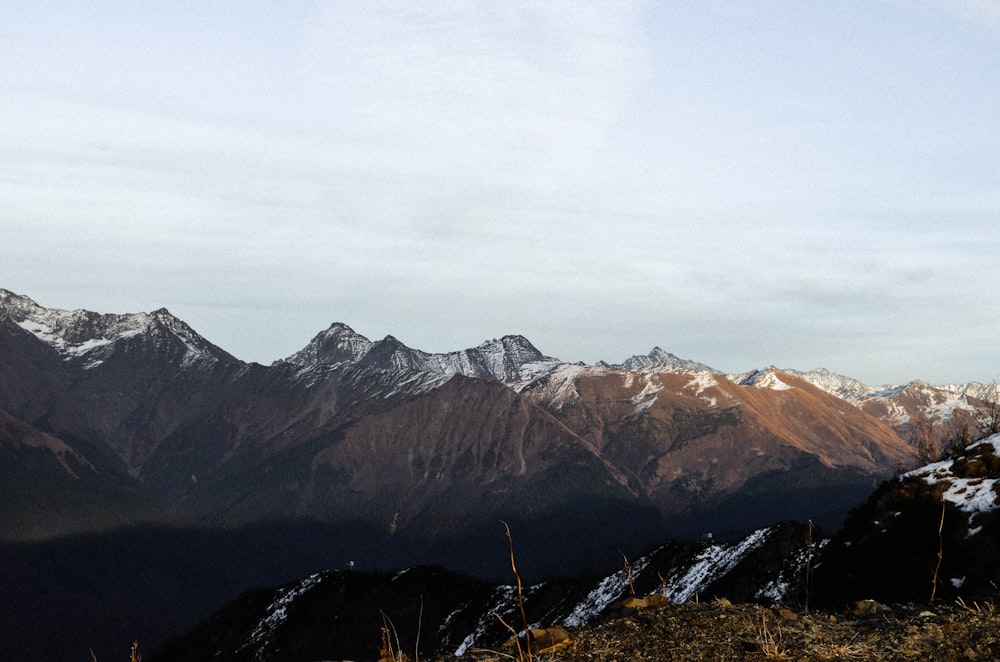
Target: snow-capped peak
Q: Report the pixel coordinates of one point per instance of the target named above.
(89, 339)
(508, 359)
(503, 359)
(337, 344)
(767, 379)
(848, 388)
(660, 361)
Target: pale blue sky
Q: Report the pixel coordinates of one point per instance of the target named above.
(764, 182)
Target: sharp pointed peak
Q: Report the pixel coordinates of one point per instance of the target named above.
(660, 359)
(340, 327)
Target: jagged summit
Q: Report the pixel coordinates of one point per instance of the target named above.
(89, 338)
(339, 345)
(660, 360)
(12, 304)
(847, 388)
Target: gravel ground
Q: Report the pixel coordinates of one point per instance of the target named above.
(720, 630)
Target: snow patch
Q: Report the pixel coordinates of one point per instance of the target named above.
(896, 414)
(558, 386)
(645, 398)
(701, 381)
(766, 379)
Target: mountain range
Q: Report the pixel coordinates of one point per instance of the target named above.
(147, 412)
(392, 456)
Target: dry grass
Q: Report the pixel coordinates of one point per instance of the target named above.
(134, 657)
(988, 607)
(850, 651)
(389, 650)
(770, 645)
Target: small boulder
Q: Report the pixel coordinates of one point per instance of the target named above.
(654, 601)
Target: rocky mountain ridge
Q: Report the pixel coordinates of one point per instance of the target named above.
(87, 339)
(84, 335)
(377, 431)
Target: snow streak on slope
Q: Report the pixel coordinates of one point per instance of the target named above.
(714, 562)
(645, 398)
(51, 331)
(275, 615)
(702, 381)
(504, 596)
(608, 590)
(778, 589)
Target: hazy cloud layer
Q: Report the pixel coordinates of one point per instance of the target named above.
(764, 182)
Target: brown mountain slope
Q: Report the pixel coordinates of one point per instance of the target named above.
(682, 438)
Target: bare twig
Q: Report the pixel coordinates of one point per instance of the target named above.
(491, 652)
(809, 558)
(628, 575)
(517, 639)
(940, 553)
(420, 619)
(389, 633)
(520, 592)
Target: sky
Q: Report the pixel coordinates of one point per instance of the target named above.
(743, 184)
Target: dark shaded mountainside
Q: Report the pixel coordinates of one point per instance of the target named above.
(880, 573)
(117, 430)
